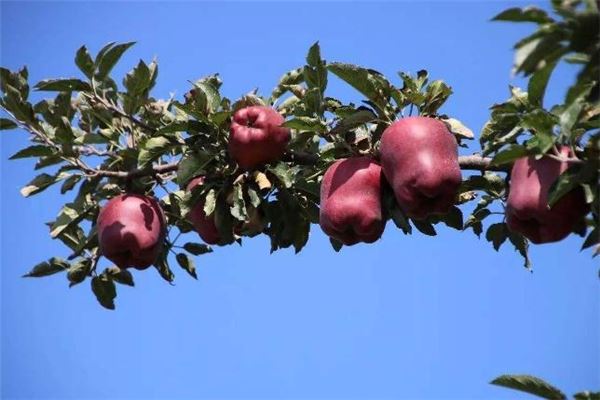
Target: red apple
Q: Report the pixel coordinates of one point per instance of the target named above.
(351, 201)
(203, 224)
(131, 230)
(419, 158)
(527, 210)
(257, 137)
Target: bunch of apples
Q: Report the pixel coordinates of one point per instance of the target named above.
(418, 161)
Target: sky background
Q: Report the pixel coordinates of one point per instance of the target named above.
(409, 317)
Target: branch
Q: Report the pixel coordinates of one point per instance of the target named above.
(111, 107)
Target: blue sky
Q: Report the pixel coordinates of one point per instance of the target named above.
(409, 317)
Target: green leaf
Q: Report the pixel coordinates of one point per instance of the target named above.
(210, 202)
(238, 209)
(368, 82)
(527, 14)
(187, 264)
(436, 94)
(565, 183)
(458, 129)
(79, 271)
(70, 183)
(41, 183)
(522, 246)
(84, 61)
(152, 149)
(286, 174)
(587, 396)
(592, 239)
(453, 218)
(538, 82)
(354, 120)
(306, 124)
(70, 214)
(207, 95)
(33, 151)
(6, 124)
(497, 234)
(122, 276)
(197, 249)
(105, 291)
(336, 244)
(46, 268)
(424, 227)
(108, 57)
(162, 266)
(509, 155)
(63, 85)
(192, 165)
(530, 384)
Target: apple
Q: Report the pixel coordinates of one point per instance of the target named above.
(131, 230)
(419, 158)
(257, 137)
(527, 210)
(351, 201)
(203, 224)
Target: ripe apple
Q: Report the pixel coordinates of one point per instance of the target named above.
(203, 224)
(257, 137)
(527, 210)
(419, 158)
(351, 201)
(131, 230)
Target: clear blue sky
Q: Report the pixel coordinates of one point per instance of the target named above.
(405, 318)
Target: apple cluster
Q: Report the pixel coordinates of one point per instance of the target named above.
(418, 161)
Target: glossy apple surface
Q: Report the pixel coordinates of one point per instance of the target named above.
(131, 230)
(527, 210)
(351, 201)
(257, 137)
(419, 158)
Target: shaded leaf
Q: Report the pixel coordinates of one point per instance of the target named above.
(46, 268)
(197, 248)
(84, 61)
(63, 85)
(105, 291)
(530, 384)
(6, 124)
(187, 264)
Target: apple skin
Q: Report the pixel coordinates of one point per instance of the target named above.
(419, 158)
(351, 201)
(203, 224)
(131, 230)
(257, 137)
(527, 210)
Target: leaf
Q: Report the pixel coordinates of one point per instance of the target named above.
(120, 275)
(424, 227)
(41, 183)
(209, 96)
(105, 291)
(197, 248)
(497, 234)
(162, 266)
(210, 202)
(79, 271)
(538, 82)
(70, 214)
(368, 82)
(187, 264)
(436, 94)
(6, 124)
(522, 246)
(565, 183)
(63, 85)
(46, 268)
(359, 117)
(152, 149)
(453, 218)
(306, 124)
(238, 209)
(84, 61)
(70, 183)
(509, 155)
(592, 239)
(527, 14)
(530, 384)
(192, 165)
(33, 151)
(587, 396)
(336, 244)
(286, 174)
(457, 128)
(108, 57)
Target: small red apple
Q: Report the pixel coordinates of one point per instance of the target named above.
(527, 210)
(203, 224)
(257, 137)
(419, 158)
(351, 201)
(131, 230)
